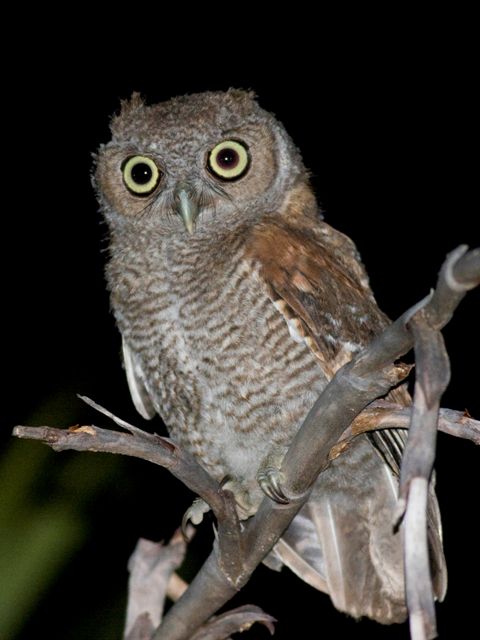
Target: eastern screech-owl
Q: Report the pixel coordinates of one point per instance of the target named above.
(237, 304)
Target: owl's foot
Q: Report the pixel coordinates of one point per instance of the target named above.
(199, 507)
(271, 479)
(194, 514)
(245, 508)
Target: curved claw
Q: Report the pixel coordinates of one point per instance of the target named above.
(271, 483)
(194, 514)
(226, 480)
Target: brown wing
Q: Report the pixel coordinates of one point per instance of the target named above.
(316, 280)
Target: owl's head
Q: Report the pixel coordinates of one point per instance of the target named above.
(195, 163)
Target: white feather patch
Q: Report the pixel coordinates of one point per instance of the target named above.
(293, 328)
(294, 561)
(294, 325)
(325, 521)
(139, 393)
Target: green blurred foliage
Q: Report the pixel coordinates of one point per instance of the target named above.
(43, 517)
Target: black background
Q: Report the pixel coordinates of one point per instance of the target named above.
(388, 126)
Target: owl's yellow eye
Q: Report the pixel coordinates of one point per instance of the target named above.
(229, 160)
(140, 175)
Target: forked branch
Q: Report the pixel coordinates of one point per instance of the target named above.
(336, 416)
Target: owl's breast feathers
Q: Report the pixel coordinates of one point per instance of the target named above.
(232, 340)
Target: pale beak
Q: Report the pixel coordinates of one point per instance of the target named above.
(186, 205)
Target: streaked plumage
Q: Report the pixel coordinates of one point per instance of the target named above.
(232, 331)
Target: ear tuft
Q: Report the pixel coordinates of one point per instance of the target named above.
(128, 108)
(242, 95)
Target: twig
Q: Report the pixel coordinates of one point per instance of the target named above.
(388, 415)
(151, 567)
(118, 421)
(222, 502)
(138, 444)
(234, 621)
(432, 378)
(152, 579)
(150, 447)
(176, 587)
(419, 596)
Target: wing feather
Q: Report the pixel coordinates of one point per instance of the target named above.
(138, 391)
(315, 279)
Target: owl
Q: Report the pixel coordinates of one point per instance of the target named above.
(237, 303)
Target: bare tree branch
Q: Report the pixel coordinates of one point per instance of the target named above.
(419, 595)
(229, 538)
(138, 444)
(382, 414)
(152, 579)
(150, 447)
(368, 376)
(234, 621)
(432, 378)
(176, 587)
(151, 565)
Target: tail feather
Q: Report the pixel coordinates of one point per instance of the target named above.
(298, 549)
(303, 569)
(332, 543)
(342, 541)
(438, 564)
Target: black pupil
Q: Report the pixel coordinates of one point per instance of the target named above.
(141, 173)
(227, 158)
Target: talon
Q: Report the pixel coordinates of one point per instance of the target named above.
(245, 508)
(183, 528)
(194, 514)
(225, 481)
(271, 483)
(276, 478)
